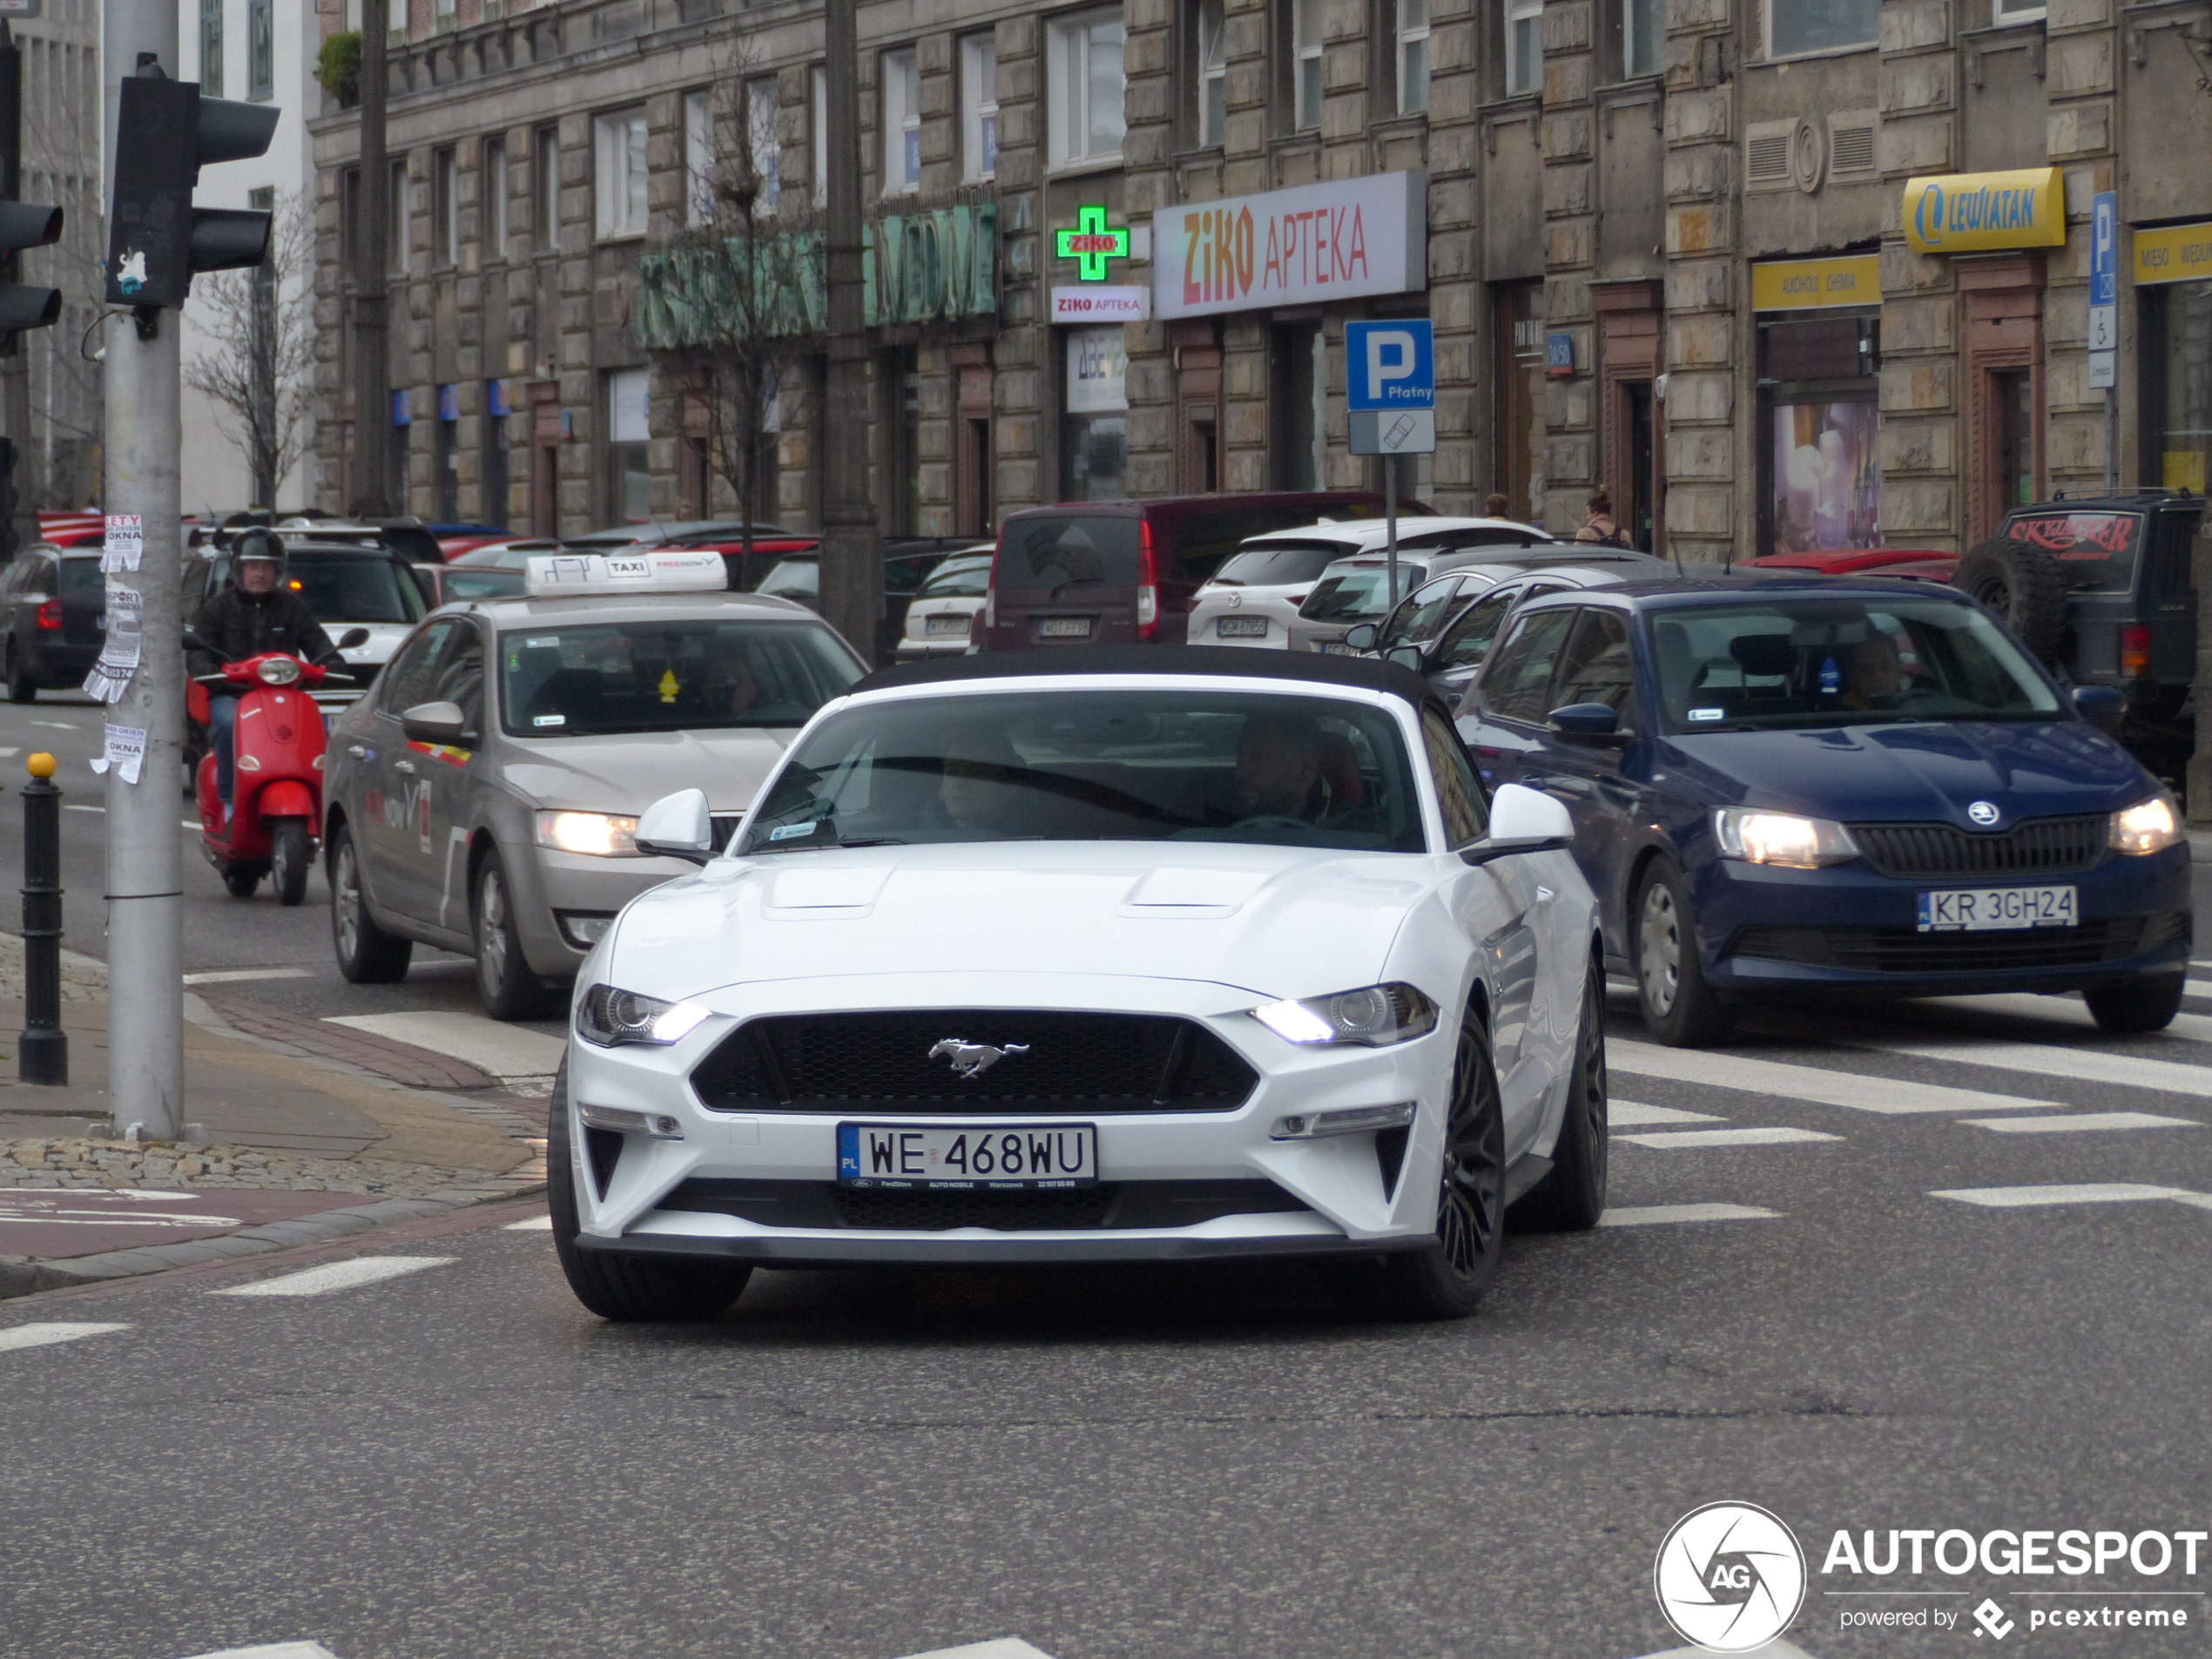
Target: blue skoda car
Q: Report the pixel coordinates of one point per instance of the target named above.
(1781, 784)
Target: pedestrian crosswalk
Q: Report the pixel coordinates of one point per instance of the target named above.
(46, 1335)
(1853, 1090)
(337, 1276)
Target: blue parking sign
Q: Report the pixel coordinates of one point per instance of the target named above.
(1390, 365)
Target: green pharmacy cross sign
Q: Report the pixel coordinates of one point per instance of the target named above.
(1091, 244)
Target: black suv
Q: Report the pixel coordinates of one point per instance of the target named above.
(53, 609)
(2101, 589)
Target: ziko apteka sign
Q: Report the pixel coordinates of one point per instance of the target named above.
(1338, 241)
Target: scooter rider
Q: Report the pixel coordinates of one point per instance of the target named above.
(256, 614)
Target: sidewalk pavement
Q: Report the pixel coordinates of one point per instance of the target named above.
(300, 1129)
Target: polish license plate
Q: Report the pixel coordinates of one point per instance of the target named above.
(1065, 628)
(944, 624)
(1336, 648)
(966, 1157)
(1974, 910)
(1240, 628)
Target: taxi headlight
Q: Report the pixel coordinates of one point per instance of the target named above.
(1759, 836)
(1372, 1017)
(2149, 826)
(606, 835)
(610, 1017)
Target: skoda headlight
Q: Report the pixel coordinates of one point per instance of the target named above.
(2149, 826)
(1374, 1017)
(1759, 836)
(606, 835)
(609, 1017)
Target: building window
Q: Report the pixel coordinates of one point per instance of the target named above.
(1306, 64)
(445, 209)
(621, 177)
(901, 122)
(547, 194)
(630, 472)
(698, 158)
(979, 107)
(1820, 476)
(818, 108)
(261, 50)
(2005, 12)
(353, 22)
(1085, 86)
(1094, 432)
(1525, 45)
(764, 141)
(1643, 37)
(211, 48)
(1795, 27)
(1413, 55)
(491, 191)
(1210, 57)
(2175, 359)
(396, 229)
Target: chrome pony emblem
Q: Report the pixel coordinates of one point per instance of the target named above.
(1984, 813)
(973, 1059)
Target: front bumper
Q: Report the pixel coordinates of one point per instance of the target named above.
(548, 881)
(1850, 928)
(1335, 1195)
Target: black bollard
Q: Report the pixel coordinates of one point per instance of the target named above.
(42, 1056)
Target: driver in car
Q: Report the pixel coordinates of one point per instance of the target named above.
(255, 614)
(1873, 673)
(1280, 772)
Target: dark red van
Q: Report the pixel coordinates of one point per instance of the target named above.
(1123, 572)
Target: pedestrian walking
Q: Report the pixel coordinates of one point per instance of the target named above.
(1599, 527)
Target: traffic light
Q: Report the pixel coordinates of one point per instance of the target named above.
(26, 224)
(166, 132)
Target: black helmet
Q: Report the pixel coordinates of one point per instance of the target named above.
(258, 543)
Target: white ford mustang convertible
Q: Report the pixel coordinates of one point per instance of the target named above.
(1113, 955)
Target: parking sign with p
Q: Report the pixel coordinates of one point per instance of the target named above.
(1390, 365)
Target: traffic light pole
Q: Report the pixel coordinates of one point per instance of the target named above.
(851, 575)
(14, 355)
(144, 849)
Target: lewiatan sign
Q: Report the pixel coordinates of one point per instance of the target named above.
(1972, 212)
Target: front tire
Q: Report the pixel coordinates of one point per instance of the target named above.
(243, 878)
(625, 1288)
(1447, 1279)
(504, 983)
(1680, 1008)
(290, 852)
(2141, 1003)
(1572, 1197)
(367, 954)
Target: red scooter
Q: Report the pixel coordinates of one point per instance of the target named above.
(276, 789)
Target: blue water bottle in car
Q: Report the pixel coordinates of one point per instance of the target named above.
(1832, 677)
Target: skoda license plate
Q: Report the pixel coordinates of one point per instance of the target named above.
(966, 1156)
(1973, 910)
(1240, 628)
(1065, 628)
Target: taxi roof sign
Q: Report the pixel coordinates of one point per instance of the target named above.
(677, 570)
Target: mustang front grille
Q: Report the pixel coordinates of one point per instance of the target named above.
(1050, 1062)
(2040, 847)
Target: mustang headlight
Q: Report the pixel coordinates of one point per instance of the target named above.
(1372, 1017)
(606, 835)
(1759, 836)
(2149, 826)
(609, 1017)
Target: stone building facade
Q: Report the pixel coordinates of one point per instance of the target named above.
(1664, 246)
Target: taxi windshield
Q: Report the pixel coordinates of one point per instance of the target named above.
(1137, 765)
(601, 679)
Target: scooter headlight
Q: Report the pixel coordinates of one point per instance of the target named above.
(278, 671)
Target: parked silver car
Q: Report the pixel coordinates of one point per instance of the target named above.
(483, 797)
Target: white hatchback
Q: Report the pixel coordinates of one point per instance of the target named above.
(944, 608)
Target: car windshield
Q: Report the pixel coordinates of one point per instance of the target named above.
(1279, 564)
(81, 579)
(800, 579)
(1819, 662)
(481, 582)
(599, 679)
(1359, 592)
(340, 588)
(2094, 552)
(965, 578)
(1137, 765)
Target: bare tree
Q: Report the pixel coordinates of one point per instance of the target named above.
(732, 301)
(257, 354)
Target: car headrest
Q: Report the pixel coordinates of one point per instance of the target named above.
(1340, 769)
(1766, 656)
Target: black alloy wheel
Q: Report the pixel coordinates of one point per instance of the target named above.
(1572, 1196)
(1447, 1279)
(627, 1289)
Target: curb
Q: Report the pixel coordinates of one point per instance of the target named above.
(2201, 846)
(29, 1277)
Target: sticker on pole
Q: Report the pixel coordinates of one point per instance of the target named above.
(126, 753)
(118, 658)
(123, 545)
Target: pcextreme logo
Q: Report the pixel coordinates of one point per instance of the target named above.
(1730, 1578)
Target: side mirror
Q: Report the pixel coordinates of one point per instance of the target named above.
(193, 642)
(2103, 707)
(677, 826)
(1363, 636)
(1522, 820)
(353, 639)
(1405, 656)
(434, 723)
(1586, 723)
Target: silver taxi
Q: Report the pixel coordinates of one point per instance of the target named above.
(484, 796)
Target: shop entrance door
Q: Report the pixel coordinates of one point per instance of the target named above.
(1641, 527)
(1519, 431)
(2012, 395)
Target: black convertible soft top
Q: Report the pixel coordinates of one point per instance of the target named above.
(1217, 662)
